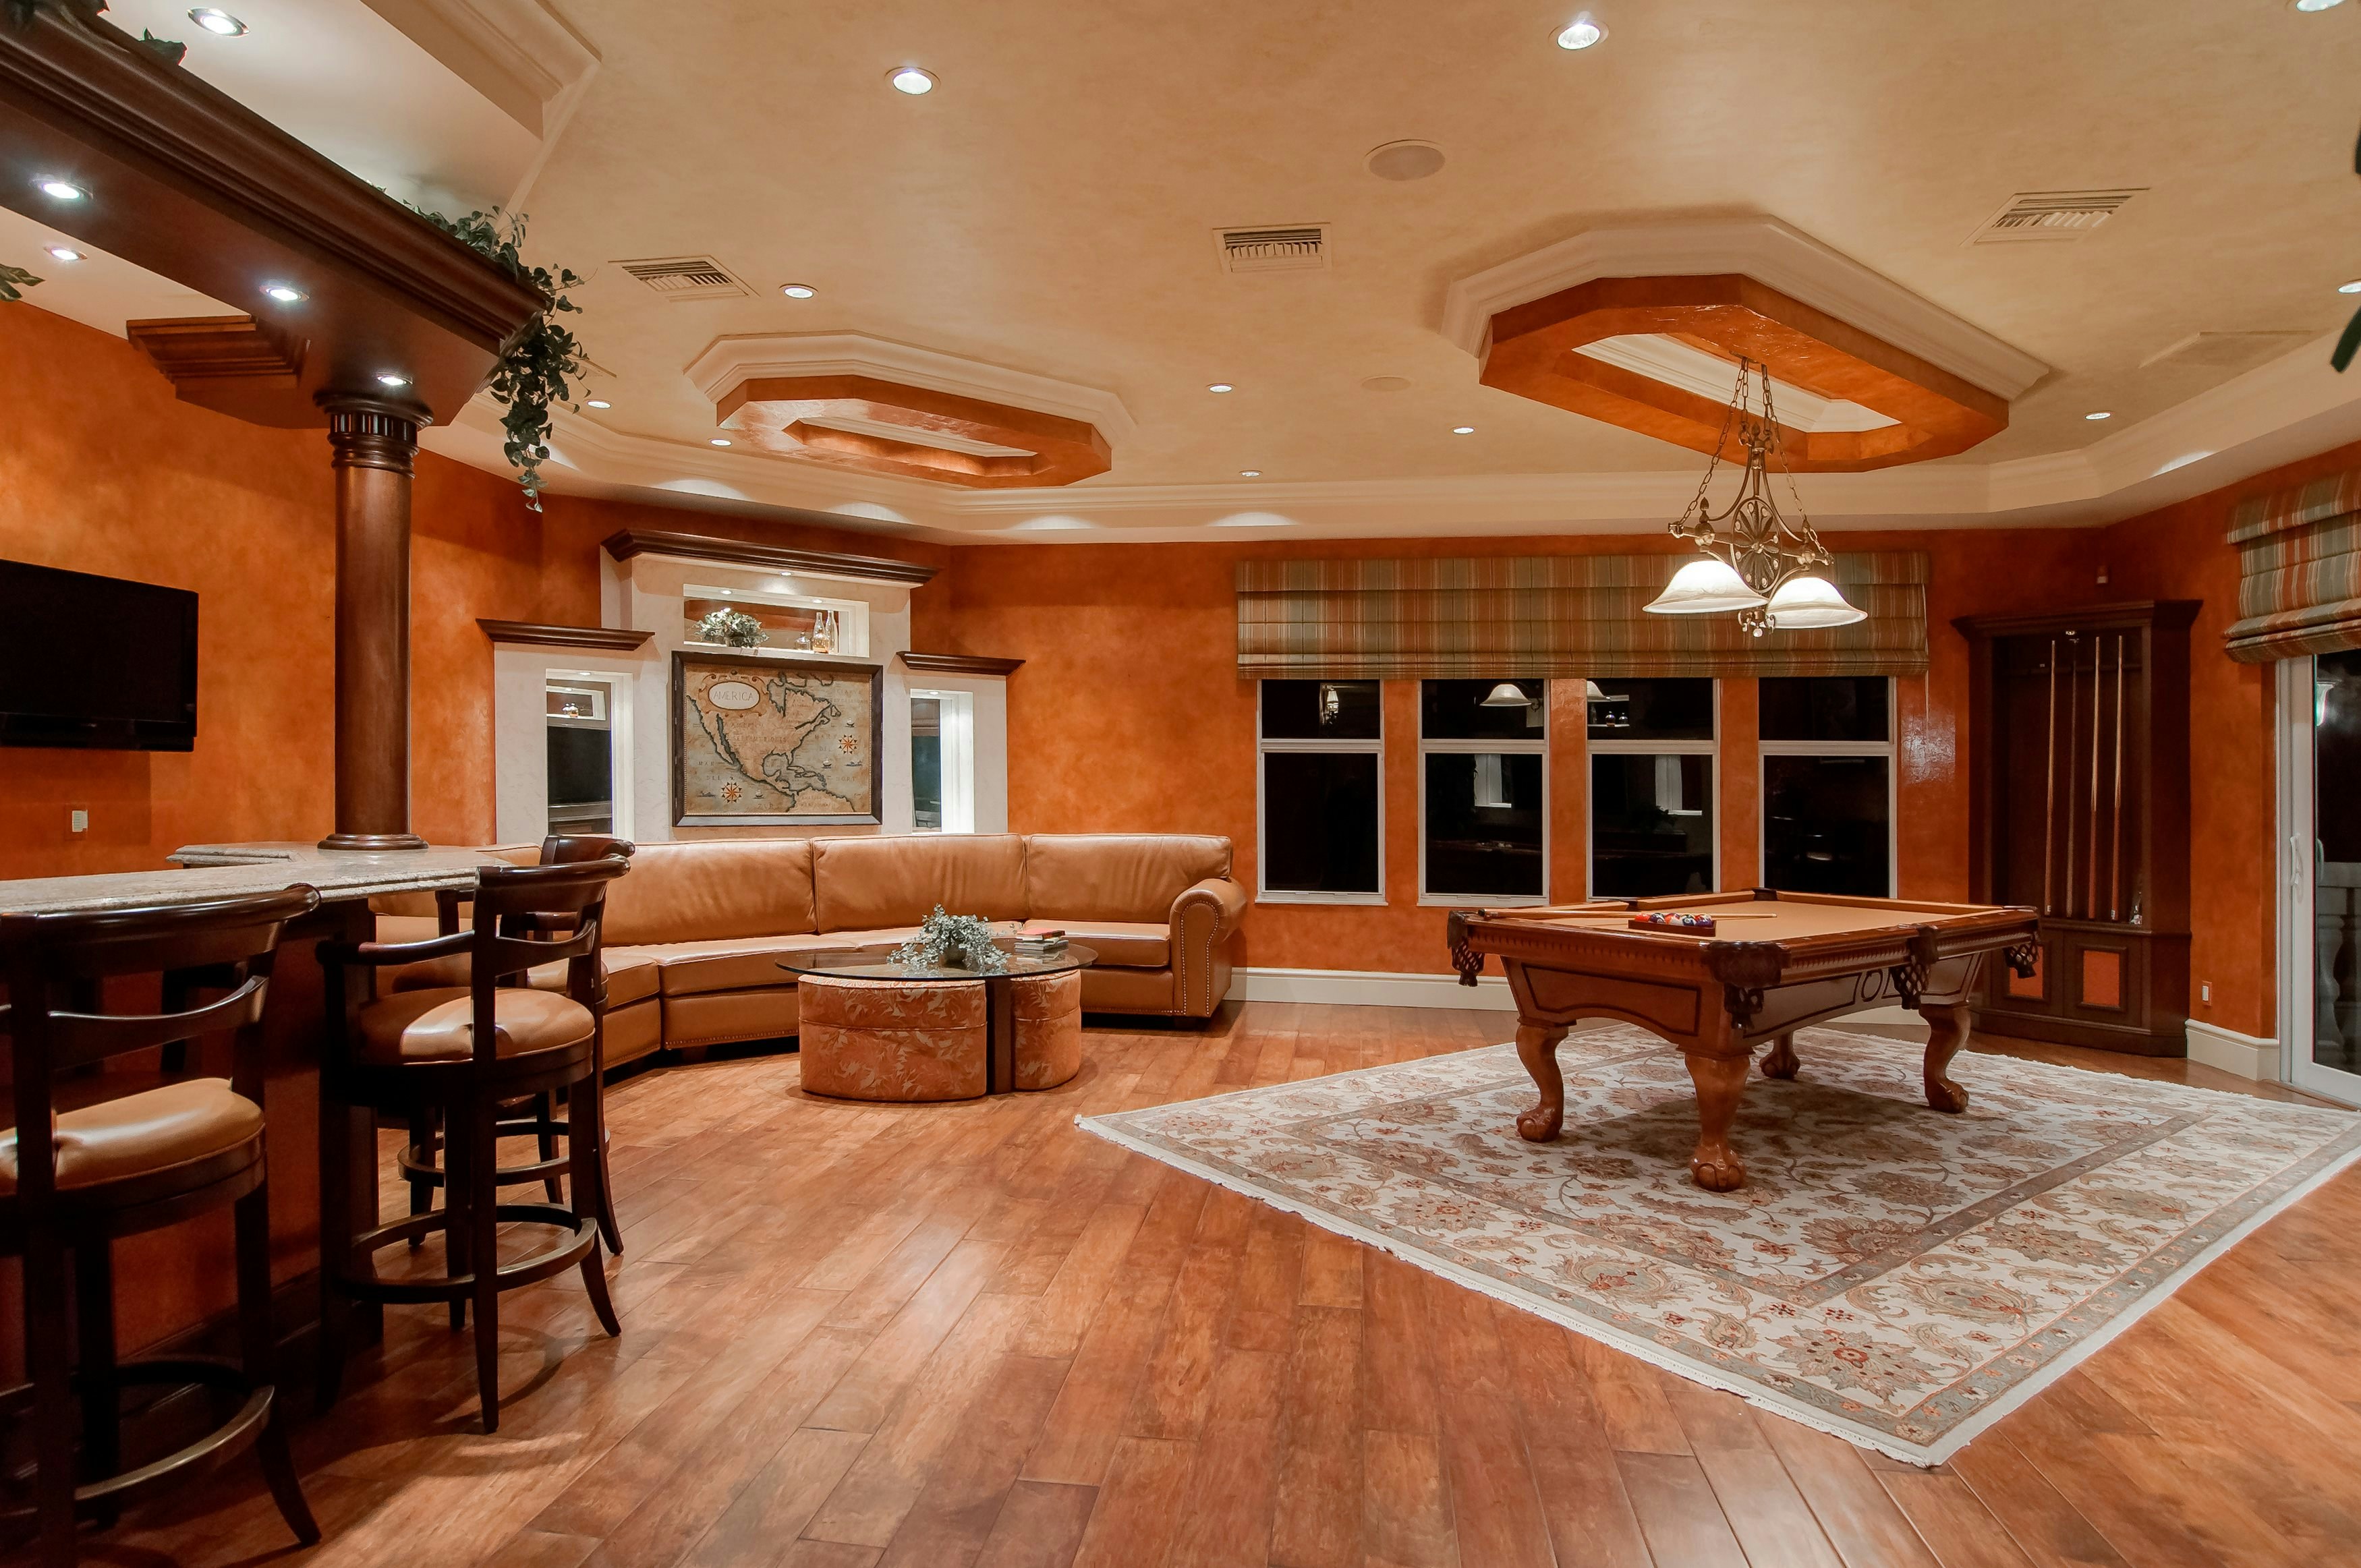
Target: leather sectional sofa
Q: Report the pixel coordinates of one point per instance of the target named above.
(696, 930)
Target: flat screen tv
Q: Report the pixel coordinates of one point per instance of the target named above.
(95, 661)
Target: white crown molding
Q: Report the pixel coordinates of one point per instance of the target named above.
(728, 362)
(1763, 249)
(2287, 410)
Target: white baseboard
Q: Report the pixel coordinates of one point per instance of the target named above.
(2234, 1052)
(1370, 988)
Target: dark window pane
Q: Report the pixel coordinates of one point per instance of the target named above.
(1650, 826)
(1319, 821)
(1483, 824)
(1456, 711)
(1320, 710)
(1824, 708)
(1653, 710)
(1824, 825)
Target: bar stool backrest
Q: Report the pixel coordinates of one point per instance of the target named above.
(56, 1019)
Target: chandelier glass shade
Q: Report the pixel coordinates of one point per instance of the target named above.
(1771, 571)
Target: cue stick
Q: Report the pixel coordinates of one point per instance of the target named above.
(2116, 859)
(2098, 694)
(2074, 696)
(2050, 810)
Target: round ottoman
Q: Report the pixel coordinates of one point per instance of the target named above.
(895, 1040)
(1047, 1010)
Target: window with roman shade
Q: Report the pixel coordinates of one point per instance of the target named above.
(2299, 571)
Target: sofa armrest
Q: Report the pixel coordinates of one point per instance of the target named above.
(1204, 918)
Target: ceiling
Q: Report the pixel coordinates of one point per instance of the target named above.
(1051, 210)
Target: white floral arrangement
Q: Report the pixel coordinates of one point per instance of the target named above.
(953, 941)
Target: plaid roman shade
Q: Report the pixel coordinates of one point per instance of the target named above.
(1553, 615)
(2299, 571)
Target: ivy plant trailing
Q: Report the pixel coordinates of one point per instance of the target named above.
(534, 372)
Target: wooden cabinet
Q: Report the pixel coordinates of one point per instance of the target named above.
(2078, 747)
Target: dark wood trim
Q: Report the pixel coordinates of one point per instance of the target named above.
(189, 183)
(959, 663)
(739, 659)
(633, 542)
(539, 635)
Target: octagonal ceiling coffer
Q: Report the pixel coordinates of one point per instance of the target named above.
(848, 401)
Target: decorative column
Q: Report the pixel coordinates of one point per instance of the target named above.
(374, 447)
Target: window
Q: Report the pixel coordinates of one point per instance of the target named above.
(1651, 787)
(1828, 785)
(1483, 790)
(1321, 801)
(942, 761)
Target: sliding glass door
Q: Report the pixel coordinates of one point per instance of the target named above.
(2320, 804)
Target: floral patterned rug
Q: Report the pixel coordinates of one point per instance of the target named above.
(1894, 1276)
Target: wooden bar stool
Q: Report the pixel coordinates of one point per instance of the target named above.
(536, 1116)
(459, 1053)
(132, 1164)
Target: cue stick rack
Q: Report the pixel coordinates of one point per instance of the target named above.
(2077, 752)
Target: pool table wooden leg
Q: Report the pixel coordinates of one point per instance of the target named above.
(1780, 1061)
(1721, 1084)
(1537, 1049)
(1946, 1034)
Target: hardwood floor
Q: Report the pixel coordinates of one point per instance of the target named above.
(972, 1334)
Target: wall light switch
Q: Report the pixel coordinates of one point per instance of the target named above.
(81, 821)
(2205, 990)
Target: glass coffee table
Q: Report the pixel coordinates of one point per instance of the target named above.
(1000, 1025)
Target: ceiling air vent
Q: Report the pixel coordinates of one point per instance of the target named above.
(2050, 215)
(685, 278)
(1297, 247)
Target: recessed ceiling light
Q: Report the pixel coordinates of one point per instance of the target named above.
(798, 290)
(217, 21)
(911, 80)
(2102, 413)
(392, 379)
(2352, 287)
(598, 404)
(61, 190)
(285, 293)
(65, 253)
(1581, 33)
(721, 440)
(1219, 386)
(1249, 473)
(1463, 429)
(2317, 5)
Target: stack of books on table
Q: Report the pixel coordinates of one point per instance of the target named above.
(1040, 944)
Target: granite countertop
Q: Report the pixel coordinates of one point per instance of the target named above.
(230, 871)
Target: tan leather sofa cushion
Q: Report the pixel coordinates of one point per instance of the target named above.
(1072, 877)
(741, 963)
(867, 883)
(1132, 944)
(438, 1024)
(718, 1017)
(142, 1133)
(699, 889)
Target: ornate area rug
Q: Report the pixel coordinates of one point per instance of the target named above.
(1897, 1276)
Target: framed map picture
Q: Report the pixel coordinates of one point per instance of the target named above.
(772, 743)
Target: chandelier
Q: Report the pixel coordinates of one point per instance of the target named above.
(1769, 570)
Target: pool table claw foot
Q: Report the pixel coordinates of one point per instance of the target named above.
(1780, 1060)
(1721, 1084)
(1947, 1025)
(1537, 1049)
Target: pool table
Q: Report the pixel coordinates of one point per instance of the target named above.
(1772, 963)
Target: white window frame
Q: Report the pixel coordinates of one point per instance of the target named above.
(1710, 748)
(955, 735)
(1263, 748)
(1427, 898)
(1888, 748)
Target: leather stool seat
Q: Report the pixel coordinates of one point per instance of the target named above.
(438, 1024)
(143, 1134)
